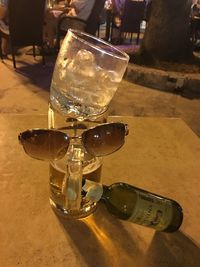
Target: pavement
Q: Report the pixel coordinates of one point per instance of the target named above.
(26, 91)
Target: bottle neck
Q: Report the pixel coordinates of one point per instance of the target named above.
(105, 196)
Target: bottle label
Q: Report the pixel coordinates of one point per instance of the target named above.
(152, 211)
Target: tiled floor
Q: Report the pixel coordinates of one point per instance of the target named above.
(26, 91)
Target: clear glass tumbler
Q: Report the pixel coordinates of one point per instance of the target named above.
(86, 76)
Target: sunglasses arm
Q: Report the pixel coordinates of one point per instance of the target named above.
(72, 183)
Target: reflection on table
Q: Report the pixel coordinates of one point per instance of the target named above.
(161, 155)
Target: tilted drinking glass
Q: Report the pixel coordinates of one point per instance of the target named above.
(87, 73)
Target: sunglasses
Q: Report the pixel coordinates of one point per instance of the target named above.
(50, 144)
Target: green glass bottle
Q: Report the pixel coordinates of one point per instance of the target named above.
(132, 204)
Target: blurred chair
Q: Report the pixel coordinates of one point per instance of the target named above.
(94, 19)
(132, 16)
(26, 22)
(90, 26)
(195, 29)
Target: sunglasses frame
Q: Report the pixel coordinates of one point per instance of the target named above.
(77, 126)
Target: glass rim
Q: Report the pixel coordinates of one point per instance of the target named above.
(119, 53)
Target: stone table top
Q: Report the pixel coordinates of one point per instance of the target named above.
(161, 155)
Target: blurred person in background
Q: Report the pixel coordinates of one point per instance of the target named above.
(195, 22)
(195, 9)
(4, 25)
(81, 8)
(76, 8)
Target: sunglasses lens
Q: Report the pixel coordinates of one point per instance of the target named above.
(44, 144)
(104, 139)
